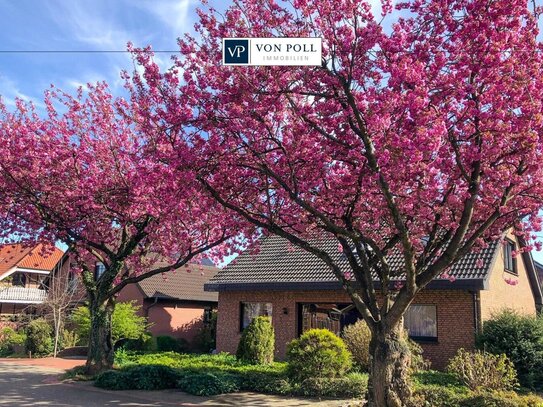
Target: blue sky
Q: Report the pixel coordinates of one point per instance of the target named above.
(90, 25)
(86, 25)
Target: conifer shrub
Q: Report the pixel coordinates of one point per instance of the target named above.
(257, 342)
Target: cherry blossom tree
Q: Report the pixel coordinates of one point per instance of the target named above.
(423, 139)
(87, 175)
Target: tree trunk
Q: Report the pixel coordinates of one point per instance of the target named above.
(57, 330)
(100, 356)
(389, 384)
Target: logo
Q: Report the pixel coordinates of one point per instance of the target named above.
(235, 52)
(272, 51)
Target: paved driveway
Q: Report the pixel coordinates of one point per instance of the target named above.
(31, 385)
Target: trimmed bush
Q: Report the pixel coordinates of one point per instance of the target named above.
(148, 377)
(257, 342)
(318, 353)
(10, 340)
(113, 380)
(357, 338)
(39, 339)
(267, 382)
(351, 386)
(209, 383)
(521, 339)
(479, 370)
(165, 343)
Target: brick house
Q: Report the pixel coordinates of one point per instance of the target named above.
(25, 272)
(175, 304)
(299, 292)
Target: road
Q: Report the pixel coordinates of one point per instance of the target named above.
(27, 385)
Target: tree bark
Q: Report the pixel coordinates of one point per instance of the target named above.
(389, 383)
(101, 353)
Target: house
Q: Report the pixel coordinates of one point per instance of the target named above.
(299, 292)
(24, 275)
(175, 302)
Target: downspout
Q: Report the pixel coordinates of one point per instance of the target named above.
(477, 312)
(150, 306)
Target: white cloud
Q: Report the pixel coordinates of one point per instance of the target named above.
(173, 13)
(10, 91)
(89, 23)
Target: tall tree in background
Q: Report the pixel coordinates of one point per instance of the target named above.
(86, 175)
(424, 141)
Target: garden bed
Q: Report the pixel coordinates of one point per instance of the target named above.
(206, 375)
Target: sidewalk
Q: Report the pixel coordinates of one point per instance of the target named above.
(51, 363)
(27, 375)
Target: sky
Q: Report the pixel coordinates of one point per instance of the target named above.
(92, 26)
(81, 25)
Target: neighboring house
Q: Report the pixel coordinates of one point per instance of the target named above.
(175, 302)
(299, 292)
(539, 270)
(24, 275)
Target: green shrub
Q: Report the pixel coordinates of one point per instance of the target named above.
(148, 377)
(113, 380)
(68, 339)
(257, 342)
(479, 370)
(10, 340)
(39, 339)
(317, 353)
(144, 343)
(205, 339)
(521, 339)
(209, 383)
(357, 338)
(269, 382)
(433, 396)
(418, 363)
(490, 400)
(125, 322)
(152, 377)
(165, 343)
(350, 386)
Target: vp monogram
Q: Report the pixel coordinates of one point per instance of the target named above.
(236, 51)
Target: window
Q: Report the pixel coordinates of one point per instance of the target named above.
(99, 269)
(19, 279)
(421, 322)
(72, 282)
(251, 310)
(331, 316)
(509, 262)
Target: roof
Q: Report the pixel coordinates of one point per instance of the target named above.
(282, 266)
(28, 257)
(186, 284)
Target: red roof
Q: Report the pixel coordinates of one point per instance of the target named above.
(29, 257)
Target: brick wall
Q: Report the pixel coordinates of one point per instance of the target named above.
(455, 318)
